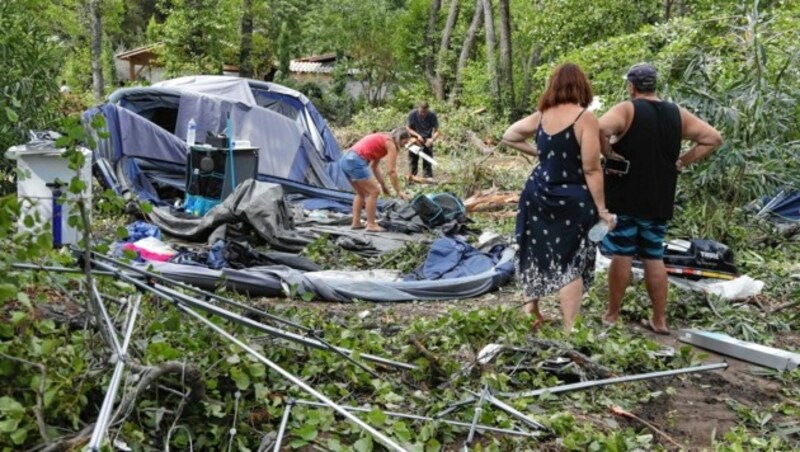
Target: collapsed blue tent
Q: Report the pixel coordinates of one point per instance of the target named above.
(784, 206)
(144, 151)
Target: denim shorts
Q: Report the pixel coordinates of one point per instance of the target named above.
(355, 167)
(636, 237)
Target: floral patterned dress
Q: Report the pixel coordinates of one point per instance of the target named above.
(556, 211)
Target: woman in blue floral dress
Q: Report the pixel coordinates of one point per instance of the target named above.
(563, 197)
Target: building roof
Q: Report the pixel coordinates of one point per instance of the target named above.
(305, 67)
(144, 53)
(316, 64)
(324, 58)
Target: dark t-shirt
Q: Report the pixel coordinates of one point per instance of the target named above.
(652, 144)
(423, 126)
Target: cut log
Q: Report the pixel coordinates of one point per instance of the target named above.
(477, 142)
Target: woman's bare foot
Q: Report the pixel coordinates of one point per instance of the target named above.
(375, 228)
(532, 308)
(355, 226)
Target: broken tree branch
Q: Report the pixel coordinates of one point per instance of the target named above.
(582, 360)
(148, 375)
(626, 414)
(436, 368)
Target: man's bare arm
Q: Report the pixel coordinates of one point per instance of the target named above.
(614, 122)
(706, 139)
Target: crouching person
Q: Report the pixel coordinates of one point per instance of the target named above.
(361, 165)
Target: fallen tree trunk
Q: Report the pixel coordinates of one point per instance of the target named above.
(490, 199)
(475, 140)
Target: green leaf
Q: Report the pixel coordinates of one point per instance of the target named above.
(122, 233)
(7, 291)
(46, 326)
(241, 378)
(9, 425)
(24, 299)
(364, 444)
(10, 407)
(257, 370)
(11, 115)
(146, 207)
(18, 317)
(433, 445)
(376, 417)
(19, 436)
(308, 432)
(261, 391)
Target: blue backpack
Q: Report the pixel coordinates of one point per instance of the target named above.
(436, 209)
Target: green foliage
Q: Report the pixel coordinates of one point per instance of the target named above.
(29, 84)
(195, 35)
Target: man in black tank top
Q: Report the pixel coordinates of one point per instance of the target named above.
(647, 132)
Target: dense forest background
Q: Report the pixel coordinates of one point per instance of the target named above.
(482, 64)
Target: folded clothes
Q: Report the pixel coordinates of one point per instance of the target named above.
(151, 249)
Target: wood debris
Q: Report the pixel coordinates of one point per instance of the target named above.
(490, 199)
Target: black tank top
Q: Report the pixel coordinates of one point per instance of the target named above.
(652, 144)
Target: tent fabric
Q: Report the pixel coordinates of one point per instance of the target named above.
(258, 204)
(375, 285)
(785, 206)
(146, 128)
(451, 258)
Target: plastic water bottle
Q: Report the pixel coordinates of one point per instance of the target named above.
(599, 231)
(191, 134)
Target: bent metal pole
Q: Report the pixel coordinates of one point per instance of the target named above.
(415, 417)
(385, 440)
(108, 402)
(216, 310)
(610, 381)
(167, 293)
(197, 290)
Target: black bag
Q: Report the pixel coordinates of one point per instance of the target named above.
(437, 209)
(699, 258)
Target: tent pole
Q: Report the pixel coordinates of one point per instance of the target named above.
(276, 332)
(287, 411)
(610, 381)
(385, 440)
(108, 402)
(415, 417)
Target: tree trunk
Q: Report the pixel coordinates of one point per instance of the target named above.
(429, 49)
(534, 60)
(466, 49)
(97, 49)
(246, 46)
(494, 81)
(444, 47)
(506, 62)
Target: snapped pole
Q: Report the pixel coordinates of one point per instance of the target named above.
(415, 417)
(216, 310)
(475, 418)
(287, 411)
(511, 410)
(108, 402)
(55, 269)
(610, 381)
(385, 440)
(202, 292)
(170, 294)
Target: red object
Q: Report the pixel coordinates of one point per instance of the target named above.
(372, 147)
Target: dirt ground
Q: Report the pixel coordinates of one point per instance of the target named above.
(699, 410)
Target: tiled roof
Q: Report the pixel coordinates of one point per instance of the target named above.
(310, 67)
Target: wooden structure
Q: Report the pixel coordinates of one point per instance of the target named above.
(144, 57)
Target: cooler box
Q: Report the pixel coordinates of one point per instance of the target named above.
(42, 176)
(210, 177)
